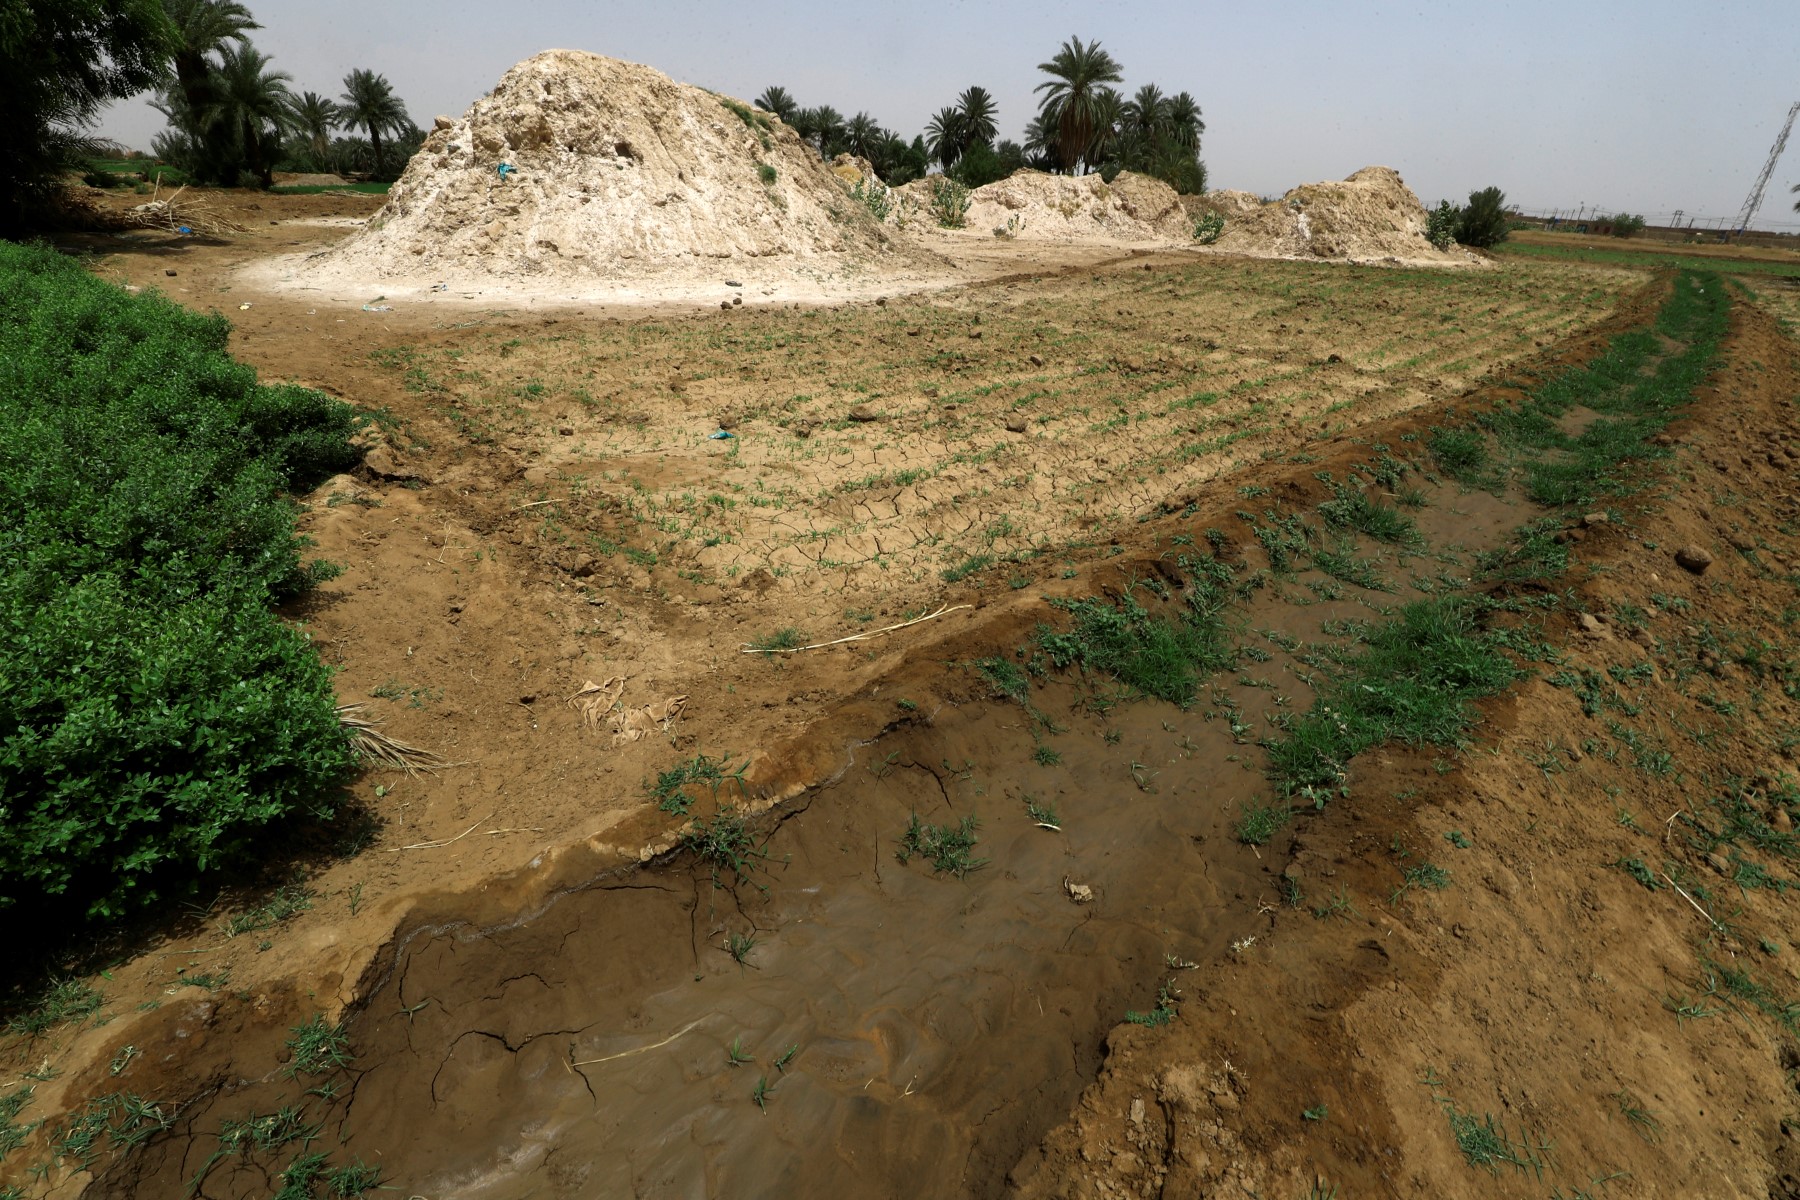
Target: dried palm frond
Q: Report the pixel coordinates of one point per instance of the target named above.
(177, 215)
(370, 743)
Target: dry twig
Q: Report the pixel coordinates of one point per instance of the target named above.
(747, 648)
(370, 743)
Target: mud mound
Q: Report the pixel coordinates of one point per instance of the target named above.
(1033, 206)
(583, 168)
(1370, 217)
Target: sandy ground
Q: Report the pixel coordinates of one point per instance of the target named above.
(545, 508)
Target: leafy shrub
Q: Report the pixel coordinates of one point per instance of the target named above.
(1441, 223)
(155, 715)
(1483, 223)
(767, 174)
(949, 203)
(874, 195)
(1209, 228)
(1626, 225)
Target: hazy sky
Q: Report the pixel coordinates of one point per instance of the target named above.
(1642, 105)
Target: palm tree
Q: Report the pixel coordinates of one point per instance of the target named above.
(369, 103)
(1147, 113)
(976, 109)
(864, 135)
(1109, 115)
(1077, 75)
(830, 128)
(776, 100)
(203, 27)
(312, 116)
(254, 101)
(1185, 125)
(944, 136)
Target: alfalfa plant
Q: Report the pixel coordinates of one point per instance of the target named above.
(949, 203)
(950, 849)
(1209, 228)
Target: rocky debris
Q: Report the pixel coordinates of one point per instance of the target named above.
(1589, 520)
(1080, 893)
(863, 414)
(1694, 558)
(1594, 626)
(1016, 425)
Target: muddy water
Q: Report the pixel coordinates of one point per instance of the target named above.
(941, 1024)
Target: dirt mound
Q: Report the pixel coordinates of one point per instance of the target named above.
(1370, 217)
(1035, 207)
(581, 168)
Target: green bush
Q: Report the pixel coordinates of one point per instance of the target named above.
(155, 715)
(1441, 223)
(949, 203)
(1484, 222)
(1626, 225)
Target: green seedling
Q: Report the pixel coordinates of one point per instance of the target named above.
(734, 1053)
(781, 1064)
(1043, 815)
(739, 946)
(761, 1092)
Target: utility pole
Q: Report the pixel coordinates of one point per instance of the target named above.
(1754, 200)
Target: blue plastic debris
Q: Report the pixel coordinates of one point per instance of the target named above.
(719, 436)
(506, 169)
(183, 229)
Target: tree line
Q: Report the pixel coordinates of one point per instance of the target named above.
(233, 118)
(1083, 124)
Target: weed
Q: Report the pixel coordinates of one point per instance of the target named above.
(948, 848)
(781, 1064)
(319, 1047)
(949, 202)
(124, 1120)
(739, 946)
(1317, 1112)
(1163, 1013)
(1643, 1121)
(297, 1182)
(1338, 906)
(1257, 823)
(1413, 681)
(761, 1092)
(1459, 839)
(1640, 871)
(725, 842)
(1484, 1141)
(1351, 507)
(1045, 756)
(64, 1000)
(1428, 876)
(734, 1053)
(1160, 657)
(1461, 453)
(785, 638)
(767, 174)
(288, 901)
(1044, 815)
(670, 790)
(13, 1134)
(352, 1180)
(1006, 679)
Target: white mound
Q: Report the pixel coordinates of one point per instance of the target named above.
(1371, 217)
(580, 170)
(1030, 206)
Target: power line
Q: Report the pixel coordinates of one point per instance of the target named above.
(1754, 200)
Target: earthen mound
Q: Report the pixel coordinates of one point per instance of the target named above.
(586, 169)
(1032, 206)
(1370, 217)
